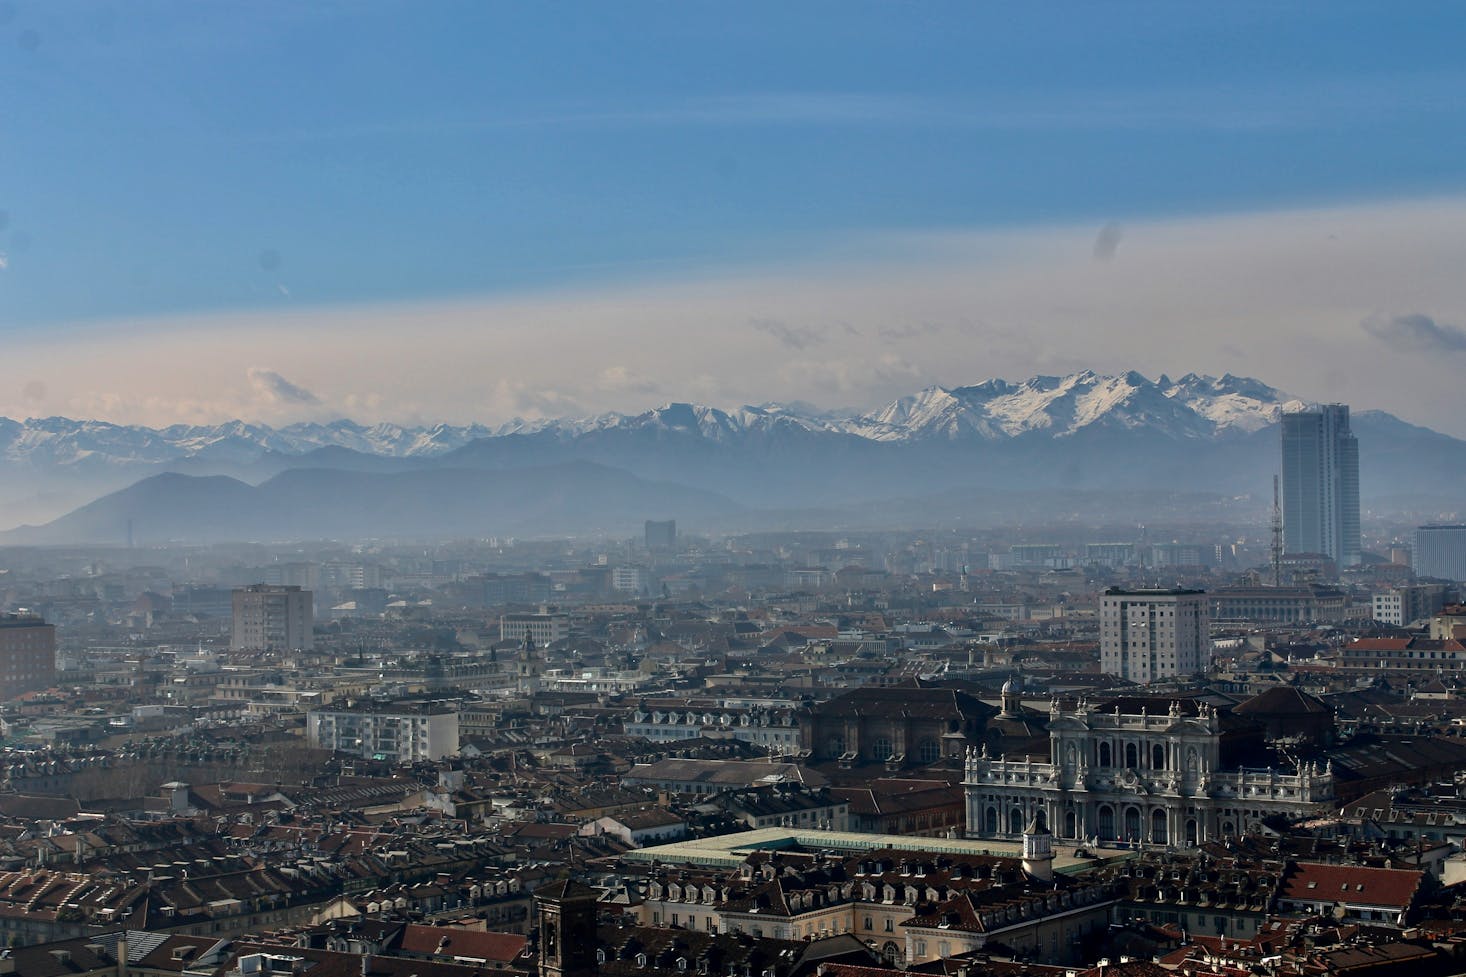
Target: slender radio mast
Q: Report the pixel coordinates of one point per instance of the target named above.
(1277, 534)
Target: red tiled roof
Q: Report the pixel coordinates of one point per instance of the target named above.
(1379, 644)
(1315, 882)
(451, 941)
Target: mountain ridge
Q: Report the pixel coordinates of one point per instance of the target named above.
(1196, 405)
(1082, 432)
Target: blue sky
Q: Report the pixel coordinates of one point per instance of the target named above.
(161, 162)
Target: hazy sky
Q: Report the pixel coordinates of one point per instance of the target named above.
(467, 211)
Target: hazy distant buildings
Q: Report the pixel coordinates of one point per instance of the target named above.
(27, 654)
(1183, 555)
(543, 629)
(661, 535)
(1280, 605)
(1151, 634)
(630, 580)
(1440, 552)
(306, 576)
(270, 617)
(1109, 554)
(1321, 484)
(1402, 605)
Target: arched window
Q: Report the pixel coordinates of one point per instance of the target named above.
(928, 751)
(1107, 822)
(1071, 825)
(1190, 831)
(1158, 827)
(1158, 757)
(1015, 822)
(891, 953)
(1132, 824)
(1228, 829)
(880, 749)
(1104, 754)
(1132, 755)
(990, 821)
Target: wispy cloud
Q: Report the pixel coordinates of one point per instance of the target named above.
(1310, 104)
(792, 336)
(622, 379)
(274, 389)
(1416, 333)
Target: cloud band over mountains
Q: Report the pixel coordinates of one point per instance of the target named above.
(1280, 294)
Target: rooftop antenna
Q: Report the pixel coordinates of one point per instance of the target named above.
(1277, 533)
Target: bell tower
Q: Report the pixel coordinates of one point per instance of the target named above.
(567, 929)
(1038, 851)
(529, 666)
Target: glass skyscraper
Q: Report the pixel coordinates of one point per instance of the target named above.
(1321, 484)
(1440, 552)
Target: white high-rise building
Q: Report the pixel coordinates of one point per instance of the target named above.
(1321, 484)
(405, 731)
(1151, 634)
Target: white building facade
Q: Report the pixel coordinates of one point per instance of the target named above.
(386, 731)
(1141, 778)
(1153, 634)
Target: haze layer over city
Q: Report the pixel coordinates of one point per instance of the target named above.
(770, 490)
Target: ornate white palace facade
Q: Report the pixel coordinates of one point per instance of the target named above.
(1135, 777)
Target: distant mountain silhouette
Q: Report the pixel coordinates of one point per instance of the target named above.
(1082, 433)
(317, 503)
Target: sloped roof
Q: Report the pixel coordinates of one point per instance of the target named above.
(1318, 882)
(453, 941)
(1282, 700)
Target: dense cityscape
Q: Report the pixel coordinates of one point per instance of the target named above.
(1045, 751)
(794, 488)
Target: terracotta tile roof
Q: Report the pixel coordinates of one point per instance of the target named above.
(463, 944)
(1316, 882)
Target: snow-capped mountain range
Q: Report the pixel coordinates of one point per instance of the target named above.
(1192, 407)
(946, 452)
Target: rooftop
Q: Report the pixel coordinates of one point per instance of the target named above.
(729, 851)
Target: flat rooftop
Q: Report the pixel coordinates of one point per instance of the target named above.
(729, 851)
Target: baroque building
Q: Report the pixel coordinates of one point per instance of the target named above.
(1144, 772)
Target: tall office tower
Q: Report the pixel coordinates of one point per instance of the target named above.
(1321, 484)
(27, 654)
(1151, 634)
(1440, 552)
(661, 535)
(272, 618)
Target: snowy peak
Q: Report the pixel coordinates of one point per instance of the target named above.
(1192, 407)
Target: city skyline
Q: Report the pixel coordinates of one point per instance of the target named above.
(245, 214)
